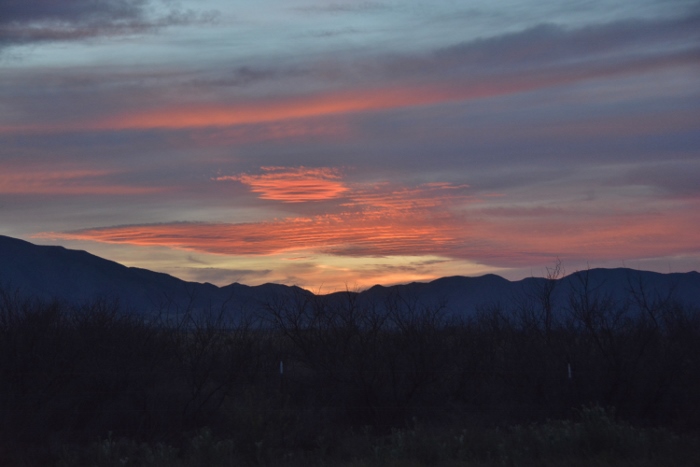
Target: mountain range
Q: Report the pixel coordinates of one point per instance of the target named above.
(78, 277)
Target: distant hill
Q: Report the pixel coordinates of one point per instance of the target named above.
(54, 272)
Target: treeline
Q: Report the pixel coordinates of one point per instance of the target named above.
(303, 374)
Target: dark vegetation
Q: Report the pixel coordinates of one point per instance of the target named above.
(395, 383)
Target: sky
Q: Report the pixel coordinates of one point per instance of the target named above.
(340, 144)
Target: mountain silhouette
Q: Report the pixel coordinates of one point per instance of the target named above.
(77, 277)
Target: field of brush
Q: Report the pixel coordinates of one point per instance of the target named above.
(306, 384)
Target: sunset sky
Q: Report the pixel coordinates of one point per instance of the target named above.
(334, 144)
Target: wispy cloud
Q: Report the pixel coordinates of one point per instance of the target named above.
(533, 237)
(549, 44)
(342, 235)
(67, 182)
(384, 199)
(432, 219)
(293, 185)
(32, 21)
(344, 7)
(677, 179)
(308, 129)
(379, 221)
(545, 57)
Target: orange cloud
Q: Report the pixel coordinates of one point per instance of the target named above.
(434, 219)
(256, 112)
(347, 235)
(387, 200)
(407, 221)
(506, 242)
(301, 184)
(520, 239)
(392, 95)
(280, 109)
(66, 182)
(293, 185)
(292, 108)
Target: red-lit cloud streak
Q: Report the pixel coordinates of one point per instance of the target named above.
(394, 95)
(430, 197)
(294, 185)
(67, 182)
(436, 219)
(269, 110)
(531, 237)
(377, 221)
(332, 234)
(488, 241)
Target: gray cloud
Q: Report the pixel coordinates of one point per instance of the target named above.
(548, 47)
(334, 32)
(344, 7)
(547, 42)
(246, 75)
(29, 11)
(34, 21)
(676, 178)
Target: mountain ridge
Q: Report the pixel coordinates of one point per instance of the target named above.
(77, 276)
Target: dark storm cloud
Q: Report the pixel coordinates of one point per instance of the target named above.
(31, 21)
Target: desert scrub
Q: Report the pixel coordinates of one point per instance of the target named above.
(202, 449)
(597, 436)
(111, 452)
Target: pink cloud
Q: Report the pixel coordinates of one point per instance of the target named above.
(293, 185)
(376, 222)
(506, 242)
(66, 182)
(435, 219)
(323, 104)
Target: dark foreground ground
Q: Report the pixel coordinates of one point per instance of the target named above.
(594, 383)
